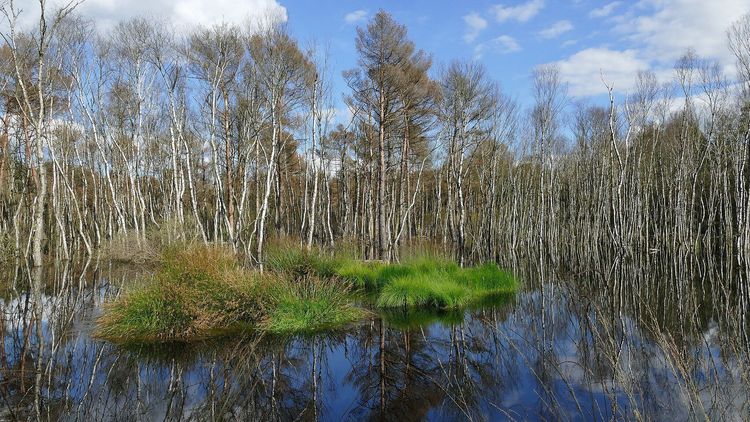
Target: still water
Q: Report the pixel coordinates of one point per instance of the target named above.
(546, 353)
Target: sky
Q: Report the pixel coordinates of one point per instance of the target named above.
(588, 39)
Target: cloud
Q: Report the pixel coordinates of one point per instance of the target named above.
(557, 29)
(504, 44)
(583, 71)
(181, 13)
(474, 25)
(670, 27)
(521, 12)
(604, 11)
(653, 33)
(356, 16)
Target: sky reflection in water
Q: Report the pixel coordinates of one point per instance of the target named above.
(545, 353)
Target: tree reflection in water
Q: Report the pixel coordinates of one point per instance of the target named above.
(563, 351)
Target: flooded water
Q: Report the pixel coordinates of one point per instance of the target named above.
(546, 353)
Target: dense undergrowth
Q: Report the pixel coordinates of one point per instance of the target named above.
(199, 292)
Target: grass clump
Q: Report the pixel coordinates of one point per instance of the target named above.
(361, 274)
(200, 292)
(488, 278)
(299, 263)
(428, 282)
(147, 313)
(426, 289)
(377, 274)
(309, 305)
(197, 292)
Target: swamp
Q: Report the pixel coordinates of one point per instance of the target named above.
(229, 220)
(556, 349)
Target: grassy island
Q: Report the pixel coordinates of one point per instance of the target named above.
(199, 292)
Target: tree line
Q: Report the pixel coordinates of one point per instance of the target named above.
(228, 134)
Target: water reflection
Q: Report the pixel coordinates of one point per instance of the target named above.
(549, 352)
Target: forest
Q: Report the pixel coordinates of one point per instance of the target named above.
(227, 135)
(119, 145)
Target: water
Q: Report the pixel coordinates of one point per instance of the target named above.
(549, 352)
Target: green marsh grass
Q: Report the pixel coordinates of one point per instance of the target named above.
(309, 305)
(424, 281)
(196, 292)
(299, 263)
(202, 292)
(427, 289)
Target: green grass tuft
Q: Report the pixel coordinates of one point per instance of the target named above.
(201, 291)
(147, 313)
(360, 274)
(439, 283)
(433, 289)
(488, 278)
(299, 263)
(309, 306)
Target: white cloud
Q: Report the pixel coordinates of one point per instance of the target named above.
(504, 44)
(356, 16)
(604, 11)
(584, 70)
(673, 26)
(474, 25)
(656, 32)
(181, 13)
(521, 12)
(557, 29)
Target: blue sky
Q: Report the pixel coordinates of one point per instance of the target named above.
(586, 38)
